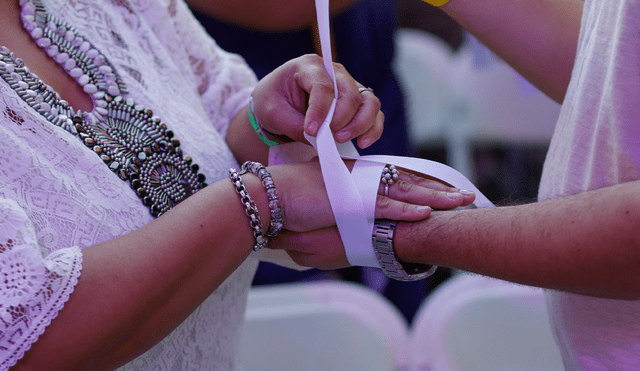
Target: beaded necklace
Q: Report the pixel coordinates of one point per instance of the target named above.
(132, 142)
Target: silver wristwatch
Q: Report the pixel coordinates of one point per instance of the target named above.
(382, 237)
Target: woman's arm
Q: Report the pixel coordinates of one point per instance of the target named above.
(587, 243)
(244, 141)
(137, 288)
(537, 37)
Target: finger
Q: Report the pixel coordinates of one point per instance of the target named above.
(315, 80)
(273, 111)
(366, 116)
(389, 208)
(374, 133)
(348, 105)
(424, 190)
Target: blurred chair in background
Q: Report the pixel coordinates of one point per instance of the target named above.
(469, 323)
(477, 323)
(470, 100)
(322, 326)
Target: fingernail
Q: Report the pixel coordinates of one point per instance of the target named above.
(343, 136)
(454, 196)
(466, 193)
(312, 127)
(365, 143)
(421, 209)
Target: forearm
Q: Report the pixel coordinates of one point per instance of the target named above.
(244, 142)
(537, 37)
(270, 15)
(137, 288)
(587, 243)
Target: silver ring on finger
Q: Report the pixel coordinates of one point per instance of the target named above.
(363, 89)
(389, 176)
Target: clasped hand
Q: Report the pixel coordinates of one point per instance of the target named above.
(310, 235)
(294, 99)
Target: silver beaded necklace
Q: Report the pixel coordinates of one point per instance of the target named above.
(132, 142)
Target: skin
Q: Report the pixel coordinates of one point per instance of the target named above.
(586, 243)
(550, 28)
(128, 298)
(272, 15)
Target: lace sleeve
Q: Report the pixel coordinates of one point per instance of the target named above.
(33, 288)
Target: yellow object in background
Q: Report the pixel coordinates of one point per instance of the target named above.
(436, 2)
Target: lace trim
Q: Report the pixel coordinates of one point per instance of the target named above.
(38, 325)
(33, 290)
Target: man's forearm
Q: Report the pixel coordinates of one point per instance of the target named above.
(537, 37)
(587, 243)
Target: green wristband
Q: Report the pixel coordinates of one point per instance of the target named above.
(258, 130)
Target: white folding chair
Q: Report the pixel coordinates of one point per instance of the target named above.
(476, 323)
(468, 97)
(320, 326)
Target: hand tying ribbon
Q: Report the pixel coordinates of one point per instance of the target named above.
(353, 194)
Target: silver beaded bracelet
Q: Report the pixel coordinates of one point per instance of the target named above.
(274, 202)
(251, 210)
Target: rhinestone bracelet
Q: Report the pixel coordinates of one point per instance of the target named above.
(251, 210)
(274, 202)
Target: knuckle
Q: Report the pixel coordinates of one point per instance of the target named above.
(352, 98)
(407, 208)
(383, 203)
(377, 104)
(434, 194)
(311, 58)
(268, 111)
(339, 67)
(405, 187)
(325, 86)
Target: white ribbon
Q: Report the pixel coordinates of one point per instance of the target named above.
(352, 195)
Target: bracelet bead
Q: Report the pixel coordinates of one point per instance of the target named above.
(274, 202)
(250, 209)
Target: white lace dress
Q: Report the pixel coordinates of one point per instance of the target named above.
(57, 196)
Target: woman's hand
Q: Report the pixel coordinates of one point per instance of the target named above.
(305, 203)
(310, 236)
(295, 98)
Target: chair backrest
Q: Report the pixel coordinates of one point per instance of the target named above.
(471, 92)
(422, 64)
(467, 98)
(476, 323)
(320, 326)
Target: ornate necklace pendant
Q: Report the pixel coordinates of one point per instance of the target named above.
(132, 142)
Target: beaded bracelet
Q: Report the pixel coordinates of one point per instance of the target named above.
(251, 210)
(274, 203)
